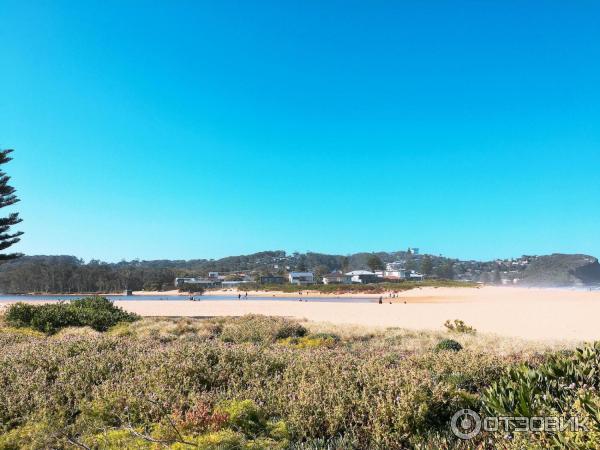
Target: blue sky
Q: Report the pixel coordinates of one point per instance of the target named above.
(189, 129)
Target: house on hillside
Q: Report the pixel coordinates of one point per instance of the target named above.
(415, 276)
(396, 265)
(395, 270)
(301, 278)
(363, 276)
(272, 279)
(337, 278)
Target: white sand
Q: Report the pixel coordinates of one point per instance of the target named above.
(540, 314)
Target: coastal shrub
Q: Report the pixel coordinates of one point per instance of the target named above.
(448, 344)
(19, 314)
(311, 341)
(328, 336)
(556, 384)
(458, 326)
(260, 329)
(100, 390)
(566, 386)
(98, 313)
(336, 443)
(243, 415)
(199, 418)
(192, 288)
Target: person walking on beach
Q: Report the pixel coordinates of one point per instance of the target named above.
(239, 296)
(381, 300)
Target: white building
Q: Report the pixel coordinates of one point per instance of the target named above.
(415, 276)
(183, 280)
(395, 270)
(362, 276)
(396, 265)
(301, 277)
(337, 278)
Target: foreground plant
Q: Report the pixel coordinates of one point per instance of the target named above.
(250, 382)
(98, 313)
(458, 326)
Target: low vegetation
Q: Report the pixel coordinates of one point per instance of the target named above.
(458, 326)
(258, 382)
(192, 288)
(97, 313)
(449, 344)
(375, 288)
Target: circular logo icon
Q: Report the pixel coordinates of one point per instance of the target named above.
(466, 424)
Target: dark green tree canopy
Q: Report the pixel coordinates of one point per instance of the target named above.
(427, 265)
(375, 263)
(7, 198)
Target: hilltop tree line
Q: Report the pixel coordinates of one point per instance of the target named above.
(68, 274)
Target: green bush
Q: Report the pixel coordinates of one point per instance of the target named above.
(20, 314)
(243, 416)
(98, 313)
(192, 288)
(448, 344)
(260, 329)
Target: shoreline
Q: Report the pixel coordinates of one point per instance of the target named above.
(314, 293)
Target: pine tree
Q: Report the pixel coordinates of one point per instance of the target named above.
(7, 198)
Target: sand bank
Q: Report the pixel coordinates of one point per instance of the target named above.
(541, 314)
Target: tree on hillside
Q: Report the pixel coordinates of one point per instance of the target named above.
(301, 267)
(446, 270)
(375, 263)
(321, 270)
(345, 263)
(427, 265)
(7, 198)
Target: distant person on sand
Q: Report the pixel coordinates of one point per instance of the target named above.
(380, 300)
(239, 296)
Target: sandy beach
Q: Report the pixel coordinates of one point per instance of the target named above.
(539, 314)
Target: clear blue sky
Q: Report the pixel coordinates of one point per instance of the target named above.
(190, 129)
